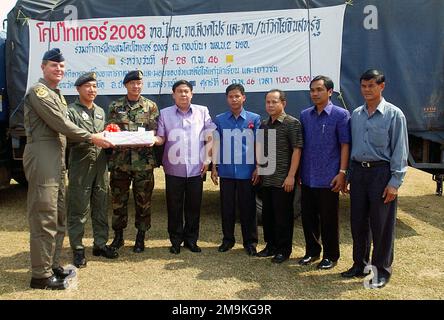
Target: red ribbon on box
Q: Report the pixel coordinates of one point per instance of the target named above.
(112, 127)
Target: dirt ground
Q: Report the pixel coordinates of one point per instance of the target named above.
(157, 274)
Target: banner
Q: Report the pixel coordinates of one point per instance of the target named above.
(262, 50)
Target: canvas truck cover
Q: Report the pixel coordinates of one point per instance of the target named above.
(404, 38)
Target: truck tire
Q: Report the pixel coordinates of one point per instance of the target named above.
(20, 178)
(5, 177)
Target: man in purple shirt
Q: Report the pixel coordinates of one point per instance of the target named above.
(186, 130)
(325, 156)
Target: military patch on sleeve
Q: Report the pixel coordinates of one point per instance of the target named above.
(41, 92)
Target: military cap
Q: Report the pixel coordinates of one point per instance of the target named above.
(133, 75)
(89, 76)
(53, 55)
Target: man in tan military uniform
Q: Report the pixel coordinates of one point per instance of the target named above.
(88, 176)
(47, 126)
(132, 113)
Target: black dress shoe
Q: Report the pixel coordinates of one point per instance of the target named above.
(251, 250)
(354, 271)
(266, 252)
(175, 249)
(107, 252)
(326, 264)
(225, 246)
(78, 258)
(379, 282)
(305, 260)
(192, 247)
(51, 283)
(62, 274)
(279, 258)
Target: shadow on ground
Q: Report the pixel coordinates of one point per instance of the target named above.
(427, 208)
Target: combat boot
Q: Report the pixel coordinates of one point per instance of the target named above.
(107, 252)
(139, 246)
(79, 259)
(118, 241)
(438, 188)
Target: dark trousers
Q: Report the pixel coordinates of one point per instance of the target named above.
(278, 219)
(246, 200)
(371, 218)
(320, 221)
(183, 197)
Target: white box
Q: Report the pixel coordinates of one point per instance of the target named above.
(130, 138)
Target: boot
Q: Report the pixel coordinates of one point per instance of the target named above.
(438, 187)
(51, 283)
(107, 252)
(118, 241)
(61, 273)
(139, 246)
(79, 259)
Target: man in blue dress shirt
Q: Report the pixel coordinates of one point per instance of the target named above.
(379, 163)
(234, 148)
(325, 156)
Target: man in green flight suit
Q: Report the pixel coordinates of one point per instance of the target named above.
(88, 176)
(47, 126)
(132, 113)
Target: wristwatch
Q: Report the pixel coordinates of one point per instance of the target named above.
(343, 171)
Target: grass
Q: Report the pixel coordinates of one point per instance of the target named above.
(157, 274)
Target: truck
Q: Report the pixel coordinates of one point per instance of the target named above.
(10, 164)
(401, 37)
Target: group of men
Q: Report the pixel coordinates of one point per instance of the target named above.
(328, 148)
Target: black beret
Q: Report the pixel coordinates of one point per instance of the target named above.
(53, 55)
(89, 76)
(133, 75)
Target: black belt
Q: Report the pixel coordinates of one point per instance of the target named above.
(371, 164)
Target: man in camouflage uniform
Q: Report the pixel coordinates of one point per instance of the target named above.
(135, 165)
(47, 126)
(88, 176)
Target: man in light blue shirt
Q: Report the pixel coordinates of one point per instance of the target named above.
(236, 168)
(378, 166)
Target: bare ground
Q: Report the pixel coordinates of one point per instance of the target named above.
(157, 274)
